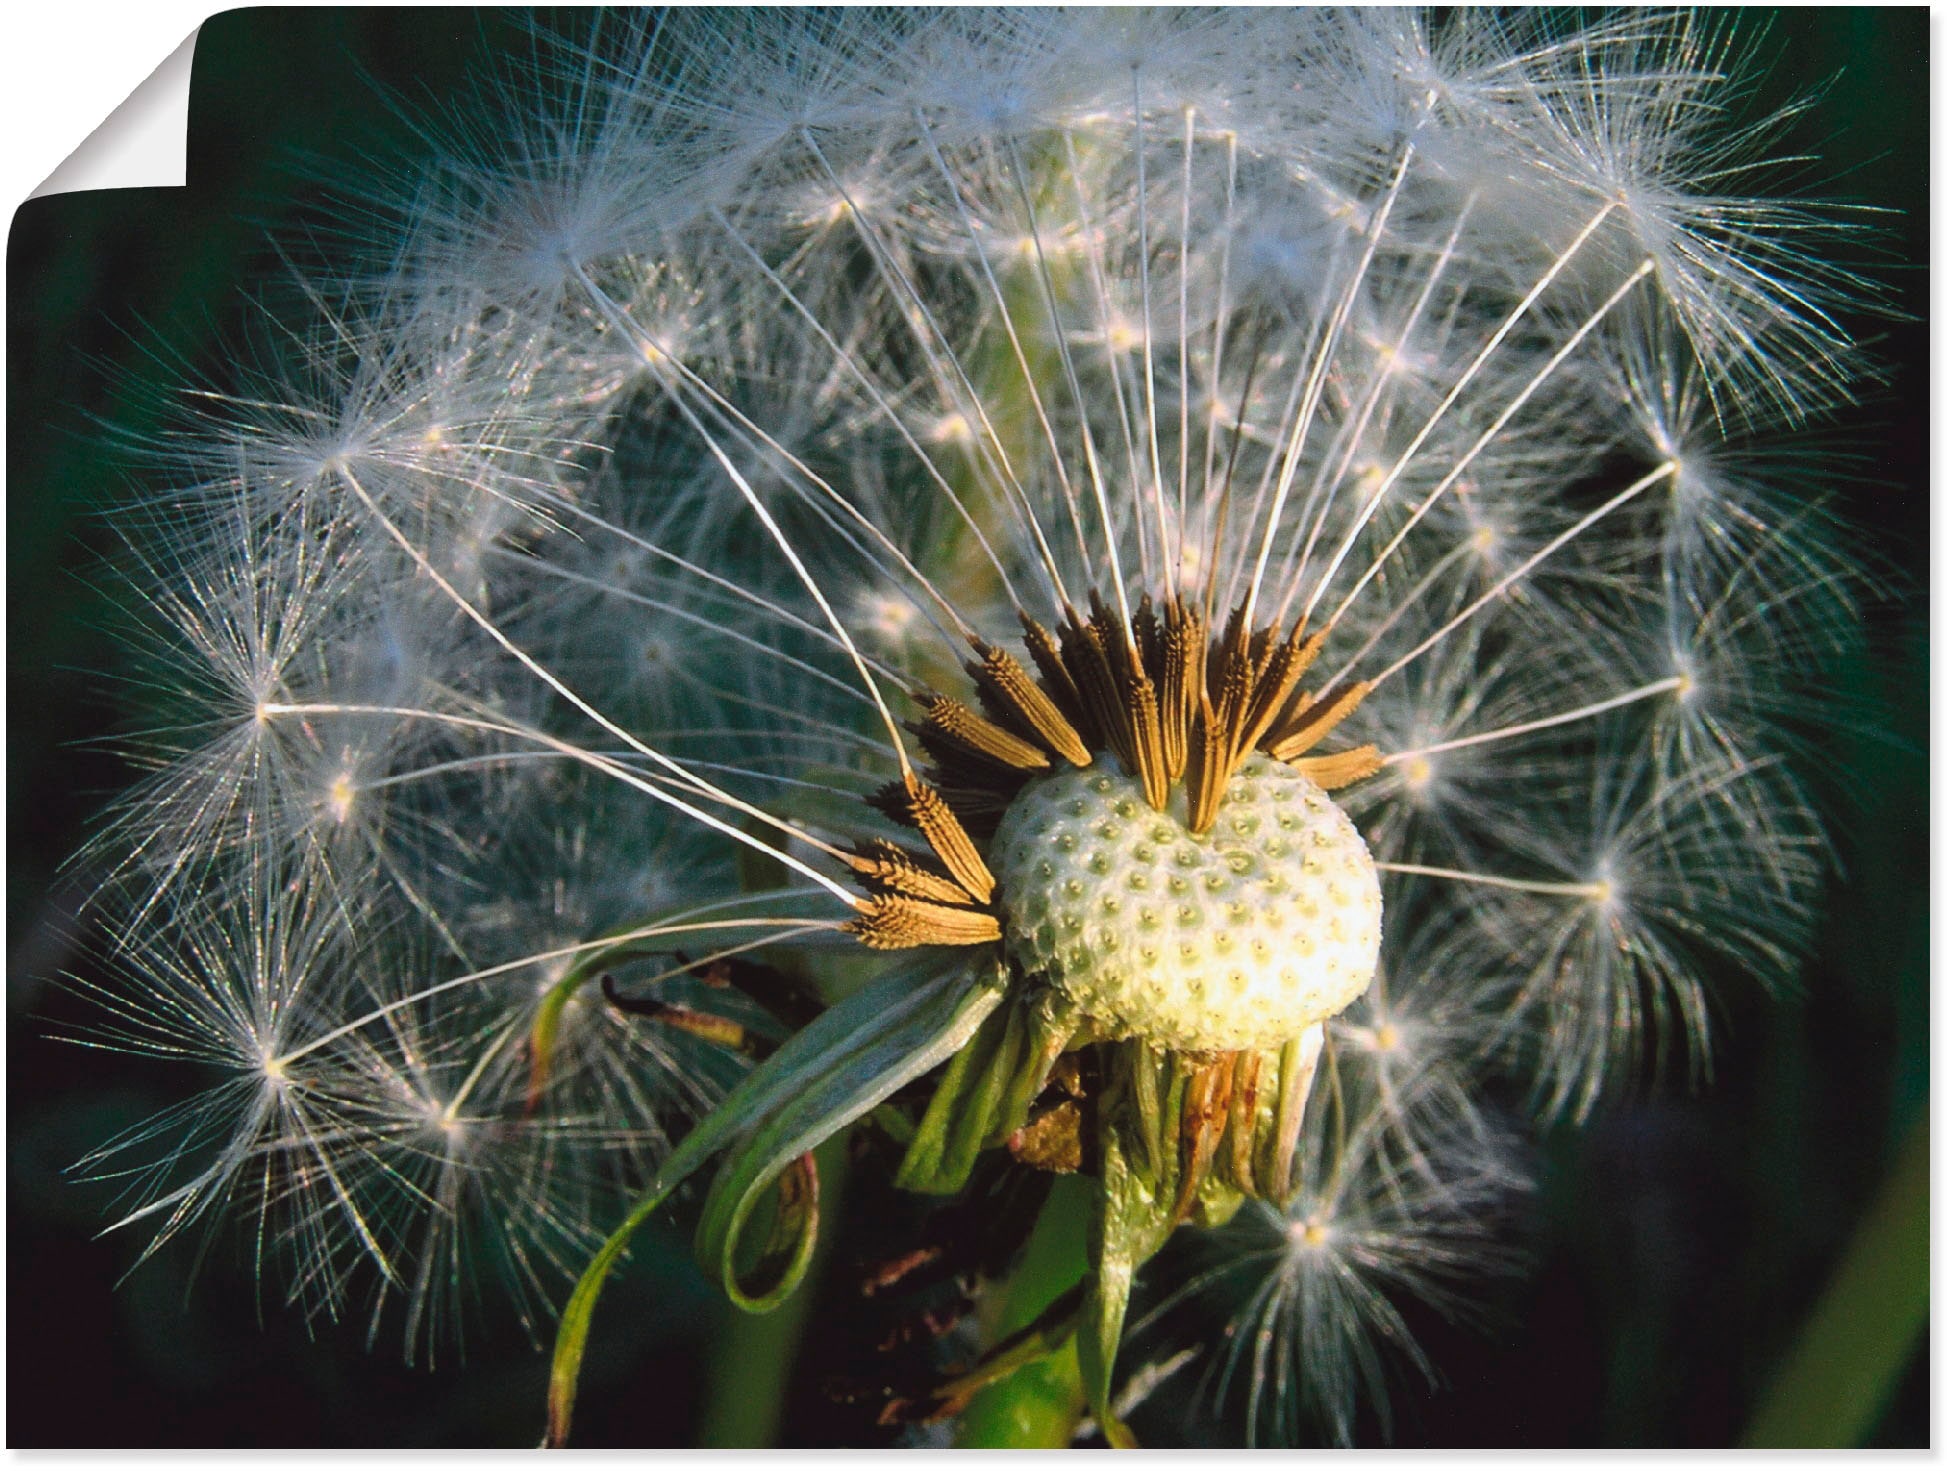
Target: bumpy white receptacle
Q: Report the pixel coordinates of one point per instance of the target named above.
(1238, 938)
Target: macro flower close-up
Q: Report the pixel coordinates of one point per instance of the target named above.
(1079, 684)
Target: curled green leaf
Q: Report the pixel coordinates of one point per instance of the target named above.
(839, 1067)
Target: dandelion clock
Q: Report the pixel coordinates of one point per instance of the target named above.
(1052, 677)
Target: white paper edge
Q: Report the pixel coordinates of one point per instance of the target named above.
(66, 66)
(142, 144)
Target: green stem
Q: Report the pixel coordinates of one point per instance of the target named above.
(1835, 1382)
(1038, 1405)
(748, 1370)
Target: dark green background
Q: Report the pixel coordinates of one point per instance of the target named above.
(1678, 1241)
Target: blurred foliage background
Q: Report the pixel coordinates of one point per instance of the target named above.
(1679, 1244)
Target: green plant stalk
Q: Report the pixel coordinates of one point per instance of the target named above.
(1039, 1404)
(1836, 1380)
(747, 1372)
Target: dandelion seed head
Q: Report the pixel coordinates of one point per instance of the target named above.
(771, 466)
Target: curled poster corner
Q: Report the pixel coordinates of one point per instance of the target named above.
(142, 144)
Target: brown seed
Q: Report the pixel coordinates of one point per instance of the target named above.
(898, 871)
(1341, 768)
(942, 829)
(1311, 723)
(979, 736)
(1004, 683)
(894, 922)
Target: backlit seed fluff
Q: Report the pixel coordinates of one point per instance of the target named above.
(1113, 505)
